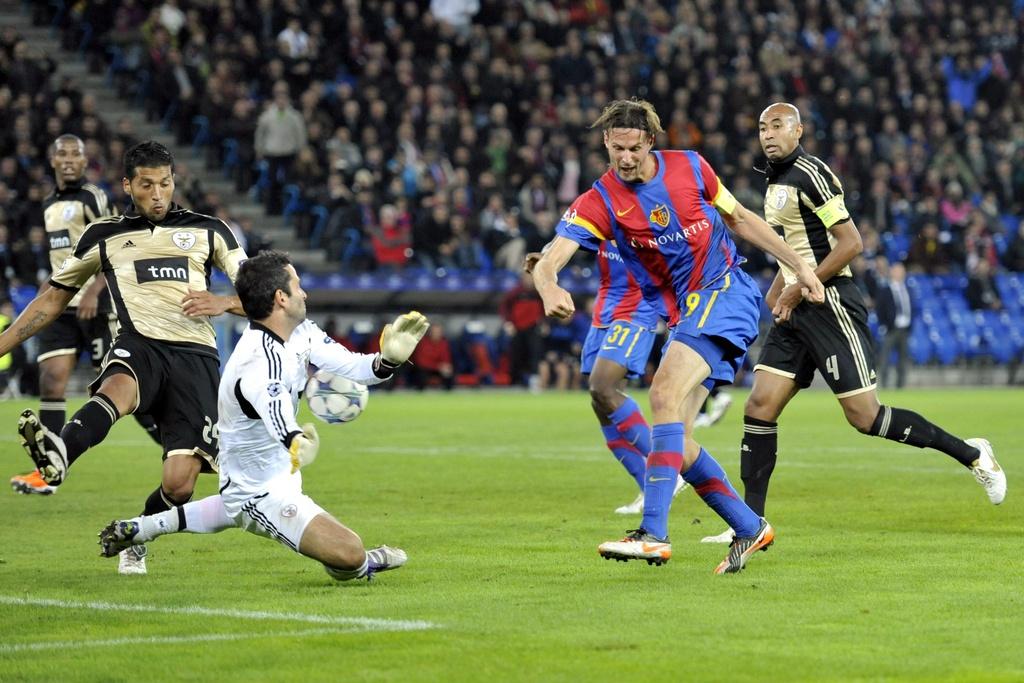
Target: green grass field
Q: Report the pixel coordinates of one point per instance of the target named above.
(890, 564)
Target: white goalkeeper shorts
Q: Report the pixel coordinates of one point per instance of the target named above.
(281, 513)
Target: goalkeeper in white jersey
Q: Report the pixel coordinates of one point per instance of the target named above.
(262, 447)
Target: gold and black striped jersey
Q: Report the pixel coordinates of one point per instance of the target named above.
(149, 269)
(803, 201)
(66, 212)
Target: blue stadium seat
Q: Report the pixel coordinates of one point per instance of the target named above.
(21, 296)
(293, 202)
(231, 160)
(995, 335)
(967, 333)
(201, 134)
(323, 215)
(262, 181)
(946, 347)
(920, 345)
(919, 286)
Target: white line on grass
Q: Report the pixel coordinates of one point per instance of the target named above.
(10, 648)
(354, 623)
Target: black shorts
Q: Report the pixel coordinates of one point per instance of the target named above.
(69, 336)
(178, 388)
(832, 338)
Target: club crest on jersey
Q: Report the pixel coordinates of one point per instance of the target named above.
(69, 212)
(659, 215)
(780, 198)
(184, 240)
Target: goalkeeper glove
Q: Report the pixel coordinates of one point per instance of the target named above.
(399, 339)
(304, 447)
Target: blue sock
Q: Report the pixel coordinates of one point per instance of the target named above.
(709, 481)
(663, 466)
(627, 454)
(632, 425)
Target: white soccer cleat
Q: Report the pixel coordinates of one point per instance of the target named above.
(719, 405)
(987, 471)
(637, 545)
(702, 420)
(634, 508)
(724, 537)
(384, 558)
(637, 506)
(680, 485)
(132, 561)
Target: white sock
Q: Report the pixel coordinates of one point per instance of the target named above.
(161, 523)
(206, 516)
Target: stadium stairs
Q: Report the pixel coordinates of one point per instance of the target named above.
(45, 40)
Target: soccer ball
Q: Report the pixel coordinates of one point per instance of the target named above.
(335, 399)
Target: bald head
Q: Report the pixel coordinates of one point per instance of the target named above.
(781, 110)
(780, 130)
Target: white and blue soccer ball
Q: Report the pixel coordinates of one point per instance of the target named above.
(335, 399)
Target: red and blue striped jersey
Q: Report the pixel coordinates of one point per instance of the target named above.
(619, 296)
(668, 230)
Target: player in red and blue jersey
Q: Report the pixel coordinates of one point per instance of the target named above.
(622, 332)
(668, 213)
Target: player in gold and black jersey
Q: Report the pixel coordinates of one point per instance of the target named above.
(157, 260)
(88, 323)
(804, 202)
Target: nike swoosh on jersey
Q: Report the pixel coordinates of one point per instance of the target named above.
(654, 479)
(620, 214)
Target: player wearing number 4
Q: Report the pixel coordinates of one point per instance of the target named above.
(262, 447)
(668, 213)
(805, 199)
(616, 348)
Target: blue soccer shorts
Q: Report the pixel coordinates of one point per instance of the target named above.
(624, 343)
(720, 324)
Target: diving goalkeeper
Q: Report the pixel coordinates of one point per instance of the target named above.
(262, 447)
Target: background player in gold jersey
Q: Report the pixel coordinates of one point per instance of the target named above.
(87, 324)
(164, 362)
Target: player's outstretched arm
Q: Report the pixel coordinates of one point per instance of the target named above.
(751, 227)
(40, 312)
(557, 301)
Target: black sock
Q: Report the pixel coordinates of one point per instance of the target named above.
(52, 412)
(149, 424)
(758, 452)
(88, 426)
(906, 426)
(160, 501)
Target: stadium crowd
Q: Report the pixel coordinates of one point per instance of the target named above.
(452, 133)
